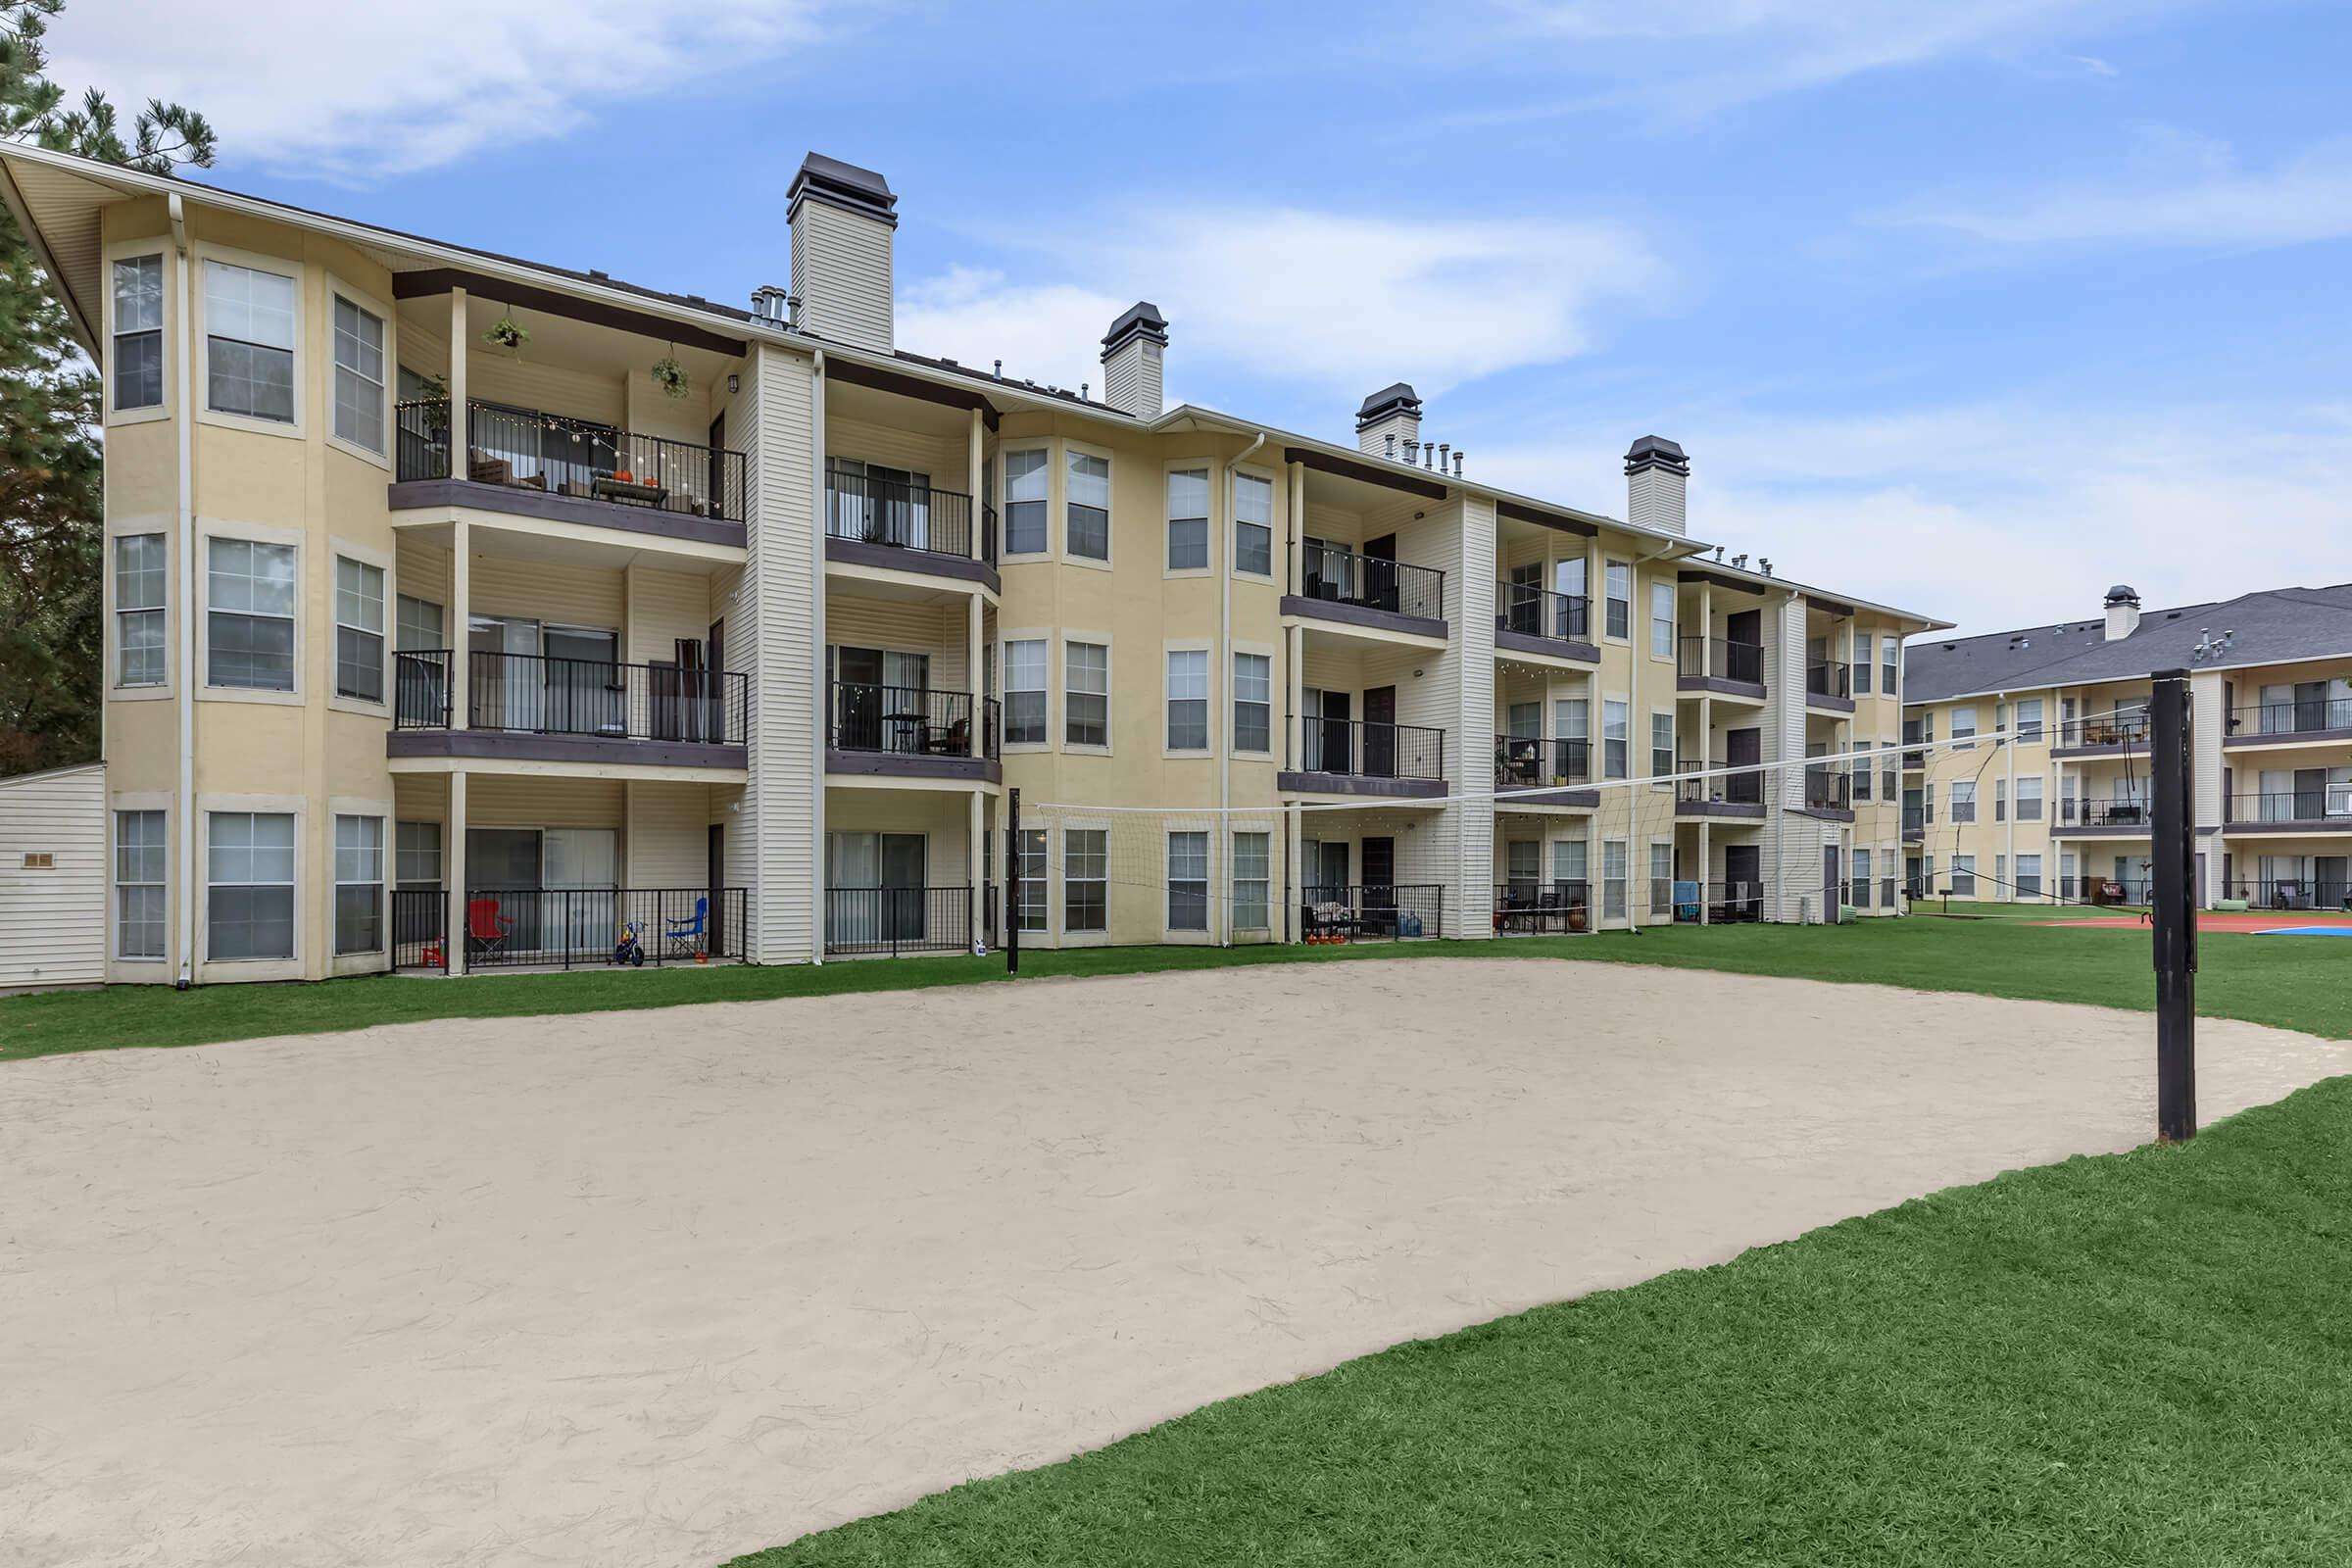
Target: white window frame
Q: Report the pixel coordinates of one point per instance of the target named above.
(1964, 866)
(1045, 550)
(1616, 888)
(1206, 930)
(1072, 691)
(1071, 451)
(119, 613)
(1272, 524)
(1963, 800)
(1624, 722)
(1234, 710)
(157, 250)
(1865, 673)
(340, 882)
(1204, 468)
(1891, 664)
(295, 428)
(1661, 628)
(365, 561)
(407, 858)
(1168, 700)
(209, 810)
(253, 534)
(160, 848)
(1035, 869)
(1259, 902)
(1609, 597)
(2034, 730)
(1665, 775)
(388, 388)
(1964, 740)
(1098, 877)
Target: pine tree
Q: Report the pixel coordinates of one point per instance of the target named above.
(52, 533)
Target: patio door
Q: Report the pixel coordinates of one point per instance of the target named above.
(1323, 870)
(878, 881)
(899, 502)
(1379, 732)
(1524, 610)
(502, 868)
(507, 684)
(581, 865)
(585, 695)
(1329, 735)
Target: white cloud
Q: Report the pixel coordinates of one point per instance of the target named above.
(350, 89)
(1323, 299)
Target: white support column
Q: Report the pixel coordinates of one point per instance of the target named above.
(453, 862)
(1294, 871)
(460, 620)
(976, 841)
(974, 458)
(1295, 548)
(1295, 641)
(1706, 630)
(1704, 847)
(461, 421)
(971, 671)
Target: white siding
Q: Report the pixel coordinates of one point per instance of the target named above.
(777, 651)
(663, 607)
(840, 270)
(53, 922)
(669, 835)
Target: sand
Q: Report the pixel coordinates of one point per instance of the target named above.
(657, 1287)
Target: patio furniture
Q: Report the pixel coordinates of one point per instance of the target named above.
(611, 488)
(686, 939)
(486, 929)
(954, 741)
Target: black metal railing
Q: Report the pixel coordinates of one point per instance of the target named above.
(1916, 734)
(1362, 749)
(1744, 788)
(988, 533)
(2116, 729)
(2104, 889)
(2326, 804)
(532, 694)
(897, 514)
(1537, 612)
(570, 928)
(898, 921)
(1561, 903)
(1371, 582)
(1522, 762)
(910, 722)
(529, 449)
(1733, 902)
(1829, 788)
(2298, 715)
(1915, 821)
(2072, 812)
(1829, 678)
(1366, 912)
(2291, 891)
(1721, 659)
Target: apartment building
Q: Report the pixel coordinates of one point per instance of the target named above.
(2054, 801)
(467, 611)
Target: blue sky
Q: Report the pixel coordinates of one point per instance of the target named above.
(1974, 312)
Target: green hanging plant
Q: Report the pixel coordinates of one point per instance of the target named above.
(670, 376)
(506, 333)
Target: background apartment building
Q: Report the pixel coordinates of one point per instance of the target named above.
(463, 610)
(2060, 808)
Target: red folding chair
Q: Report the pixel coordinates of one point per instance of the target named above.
(485, 928)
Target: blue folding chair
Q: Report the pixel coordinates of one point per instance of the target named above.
(686, 938)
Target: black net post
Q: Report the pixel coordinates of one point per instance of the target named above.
(2173, 908)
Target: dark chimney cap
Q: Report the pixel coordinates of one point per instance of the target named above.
(1140, 320)
(2122, 594)
(1395, 398)
(842, 185)
(1655, 452)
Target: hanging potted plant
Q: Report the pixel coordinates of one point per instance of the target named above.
(506, 333)
(670, 376)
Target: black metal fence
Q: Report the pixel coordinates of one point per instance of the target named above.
(1359, 912)
(2113, 729)
(2297, 716)
(900, 513)
(530, 692)
(910, 722)
(570, 928)
(2292, 893)
(1829, 788)
(898, 921)
(1530, 906)
(1744, 788)
(1721, 659)
(420, 689)
(1371, 582)
(529, 449)
(1829, 678)
(1366, 750)
(1522, 762)
(2318, 802)
(1537, 612)
(2072, 812)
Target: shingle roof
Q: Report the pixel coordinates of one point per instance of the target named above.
(2272, 626)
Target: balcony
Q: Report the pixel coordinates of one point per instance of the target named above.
(532, 463)
(1915, 822)
(1528, 907)
(1529, 619)
(1368, 592)
(2111, 818)
(2317, 807)
(1726, 794)
(530, 708)
(2323, 892)
(2114, 733)
(1916, 735)
(903, 526)
(1829, 684)
(1720, 664)
(569, 928)
(2300, 719)
(893, 922)
(1829, 790)
(1339, 757)
(1399, 911)
(1543, 772)
(909, 732)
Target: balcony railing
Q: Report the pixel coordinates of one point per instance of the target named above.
(899, 514)
(2115, 730)
(2330, 804)
(1524, 763)
(2300, 716)
(2292, 893)
(570, 928)
(531, 694)
(1371, 582)
(1829, 678)
(1533, 904)
(1829, 789)
(898, 921)
(527, 449)
(1360, 911)
(1535, 611)
(910, 722)
(1721, 659)
(988, 533)
(2074, 813)
(1915, 821)
(1745, 788)
(1368, 750)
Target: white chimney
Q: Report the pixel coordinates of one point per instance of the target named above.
(843, 220)
(1132, 351)
(1390, 412)
(2123, 613)
(1656, 473)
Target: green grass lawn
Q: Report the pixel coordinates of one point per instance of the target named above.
(2140, 1359)
(2297, 981)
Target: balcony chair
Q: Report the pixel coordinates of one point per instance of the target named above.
(486, 929)
(687, 939)
(956, 740)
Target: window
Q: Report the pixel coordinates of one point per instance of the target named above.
(1860, 892)
(1661, 619)
(359, 884)
(1612, 879)
(1025, 692)
(139, 575)
(1522, 861)
(249, 876)
(1661, 746)
(1862, 673)
(2000, 876)
(1086, 532)
(1619, 579)
(1964, 875)
(1085, 879)
(1964, 728)
(1891, 655)
(138, 334)
(1253, 525)
(1252, 702)
(139, 859)
(1964, 799)
(1188, 519)
(359, 630)
(359, 376)
(1861, 770)
(1026, 482)
(2028, 721)
(2029, 799)
(1568, 859)
(2028, 876)
(1613, 722)
(249, 597)
(1029, 882)
(1253, 863)
(2000, 800)
(249, 342)
(1188, 881)
(1661, 881)
(1188, 700)
(1085, 694)
(416, 855)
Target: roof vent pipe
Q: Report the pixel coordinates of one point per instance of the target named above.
(1458, 463)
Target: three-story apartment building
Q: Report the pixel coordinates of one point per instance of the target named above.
(2054, 803)
(467, 610)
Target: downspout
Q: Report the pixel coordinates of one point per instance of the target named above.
(185, 428)
(1225, 645)
(823, 704)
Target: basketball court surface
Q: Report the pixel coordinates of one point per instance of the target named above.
(2274, 923)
